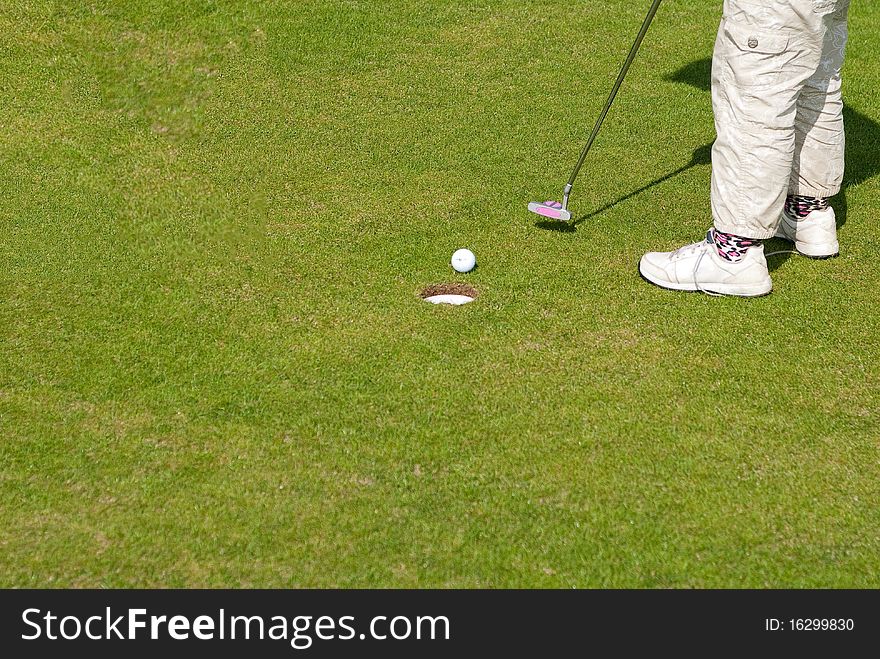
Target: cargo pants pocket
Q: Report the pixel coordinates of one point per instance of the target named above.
(753, 58)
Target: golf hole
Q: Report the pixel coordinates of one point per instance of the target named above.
(448, 294)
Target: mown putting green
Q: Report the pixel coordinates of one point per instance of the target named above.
(215, 368)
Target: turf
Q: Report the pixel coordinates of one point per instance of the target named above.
(215, 369)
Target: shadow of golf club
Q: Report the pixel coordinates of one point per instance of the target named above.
(701, 156)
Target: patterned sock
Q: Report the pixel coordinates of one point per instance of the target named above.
(800, 206)
(731, 247)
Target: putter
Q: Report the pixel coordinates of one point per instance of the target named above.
(559, 211)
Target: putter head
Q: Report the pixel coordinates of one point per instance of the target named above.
(551, 209)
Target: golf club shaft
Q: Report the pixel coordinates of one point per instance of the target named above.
(620, 78)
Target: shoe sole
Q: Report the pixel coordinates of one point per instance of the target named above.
(824, 256)
(692, 288)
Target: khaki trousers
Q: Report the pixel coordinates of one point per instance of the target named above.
(778, 109)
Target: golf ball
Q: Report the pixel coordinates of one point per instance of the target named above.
(463, 260)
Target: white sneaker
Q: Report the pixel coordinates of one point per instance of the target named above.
(814, 235)
(698, 267)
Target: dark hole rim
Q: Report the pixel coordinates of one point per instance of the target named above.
(451, 288)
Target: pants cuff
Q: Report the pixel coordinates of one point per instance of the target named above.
(755, 233)
(805, 191)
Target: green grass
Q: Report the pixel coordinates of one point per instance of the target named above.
(215, 370)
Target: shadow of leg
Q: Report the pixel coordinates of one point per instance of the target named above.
(862, 155)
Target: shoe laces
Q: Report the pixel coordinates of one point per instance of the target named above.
(687, 250)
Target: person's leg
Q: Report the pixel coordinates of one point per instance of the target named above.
(764, 54)
(818, 165)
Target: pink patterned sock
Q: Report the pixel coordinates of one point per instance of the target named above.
(731, 247)
(801, 206)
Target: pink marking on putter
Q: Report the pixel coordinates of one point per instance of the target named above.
(551, 209)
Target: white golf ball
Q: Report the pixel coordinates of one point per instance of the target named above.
(463, 260)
